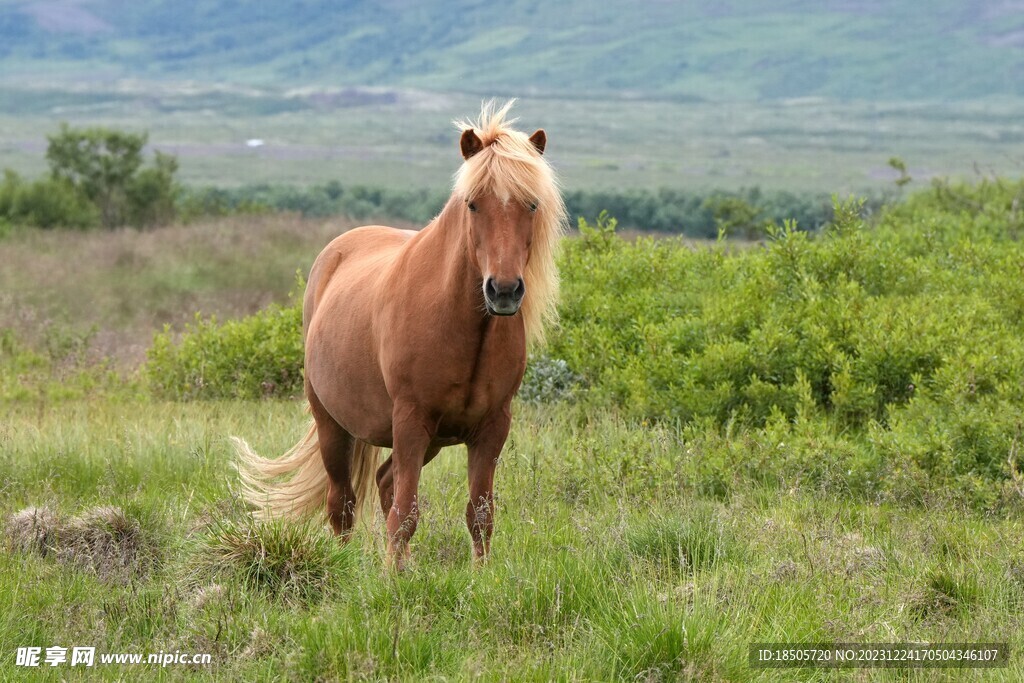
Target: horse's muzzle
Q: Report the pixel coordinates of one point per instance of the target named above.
(504, 297)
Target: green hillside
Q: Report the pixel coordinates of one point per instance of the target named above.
(842, 49)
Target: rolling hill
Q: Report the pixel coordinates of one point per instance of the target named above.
(737, 50)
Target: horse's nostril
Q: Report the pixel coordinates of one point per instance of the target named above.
(504, 293)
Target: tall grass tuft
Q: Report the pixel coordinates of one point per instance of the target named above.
(295, 562)
(684, 542)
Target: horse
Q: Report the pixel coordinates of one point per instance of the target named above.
(417, 340)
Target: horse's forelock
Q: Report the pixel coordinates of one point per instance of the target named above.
(508, 164)
(492, 122)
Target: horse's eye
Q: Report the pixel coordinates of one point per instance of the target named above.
(472, 207)
(533, 207)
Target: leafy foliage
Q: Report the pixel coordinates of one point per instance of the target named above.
(258, 356)
(45, 203)
(884, 359)
(549, 380)
(96, 178)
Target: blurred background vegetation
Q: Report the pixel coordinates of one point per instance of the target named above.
(800, 97)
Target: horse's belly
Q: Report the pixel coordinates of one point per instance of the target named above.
(350, 387)
(341, 365)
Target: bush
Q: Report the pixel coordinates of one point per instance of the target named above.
(851, 324)
(259, 356)
(44, 203)
(549, 380)
(150, 196)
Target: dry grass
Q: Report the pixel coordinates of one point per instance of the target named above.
(111, 543)
(103, 540)
(32, 530)
(115, 288)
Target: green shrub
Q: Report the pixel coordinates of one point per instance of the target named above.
(670, 332)
(549, 380)
(44, 203)
(259, 356)
(150, 195)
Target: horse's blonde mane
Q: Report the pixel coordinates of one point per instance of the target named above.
(510, 167)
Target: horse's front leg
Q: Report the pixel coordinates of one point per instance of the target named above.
(411, 438)
(484, 449)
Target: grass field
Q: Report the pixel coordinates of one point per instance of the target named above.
(594, 576)
(626, 548)
(315, 135)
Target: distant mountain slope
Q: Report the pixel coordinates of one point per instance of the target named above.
(733, 49)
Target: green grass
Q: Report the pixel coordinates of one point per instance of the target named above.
(587, 581)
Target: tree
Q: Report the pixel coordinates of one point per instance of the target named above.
(105, 166)
(151, 192)
(735, 217)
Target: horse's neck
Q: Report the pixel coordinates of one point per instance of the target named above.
(444, 245)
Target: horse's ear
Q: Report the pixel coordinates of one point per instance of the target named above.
(539, 140)
(470, 143)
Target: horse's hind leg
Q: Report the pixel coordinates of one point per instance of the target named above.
(412, 440)
(386, 479)
(336, 448)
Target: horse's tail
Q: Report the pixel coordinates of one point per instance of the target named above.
(304, 489)
(365, 459)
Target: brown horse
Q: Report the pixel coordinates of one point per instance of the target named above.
(417, 340)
